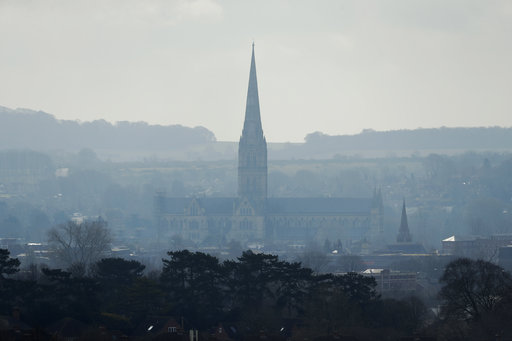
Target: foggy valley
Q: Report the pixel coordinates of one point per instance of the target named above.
(355, 186)
(448, 192)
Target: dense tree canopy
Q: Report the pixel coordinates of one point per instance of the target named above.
(256, 293)
(118, 270)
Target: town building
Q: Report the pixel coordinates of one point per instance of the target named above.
(392, 280)
(476, 246)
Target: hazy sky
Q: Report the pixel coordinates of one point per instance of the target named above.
(333, 66)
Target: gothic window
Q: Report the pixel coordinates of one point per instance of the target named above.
(194, 209)
(245, 224)
(245, 211)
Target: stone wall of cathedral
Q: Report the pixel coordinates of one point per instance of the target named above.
(245, 227)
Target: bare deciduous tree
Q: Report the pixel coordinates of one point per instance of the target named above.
(473, 288)
(77, 245)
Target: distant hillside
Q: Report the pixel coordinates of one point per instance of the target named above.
(22, 128)
(435, 138)
(401, 142)
(124, 141)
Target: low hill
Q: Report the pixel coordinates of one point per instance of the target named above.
(28, 129)
(127, 141)
(434, 138)
(370, 143)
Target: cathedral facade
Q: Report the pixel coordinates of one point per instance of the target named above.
(252, 217)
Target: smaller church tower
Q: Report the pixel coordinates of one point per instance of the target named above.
(404, 235)
(252, 149)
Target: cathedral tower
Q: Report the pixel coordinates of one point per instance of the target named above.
(252, 149)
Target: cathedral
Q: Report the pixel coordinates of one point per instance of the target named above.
(252, 217)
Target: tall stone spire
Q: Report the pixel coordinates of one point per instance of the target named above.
(404, 235)
(252, 123)
(252, 149)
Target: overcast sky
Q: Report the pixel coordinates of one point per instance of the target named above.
(333, 66)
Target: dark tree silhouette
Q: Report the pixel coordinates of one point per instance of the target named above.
(252, 276)
(293, 285)
(118, 270)
(473, 288)
(10, 289)
(8, 265)
(193, 281)
(358, 288)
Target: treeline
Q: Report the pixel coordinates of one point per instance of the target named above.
(29, 129)
(255, 294)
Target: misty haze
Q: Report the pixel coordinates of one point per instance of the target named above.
(209, 170)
